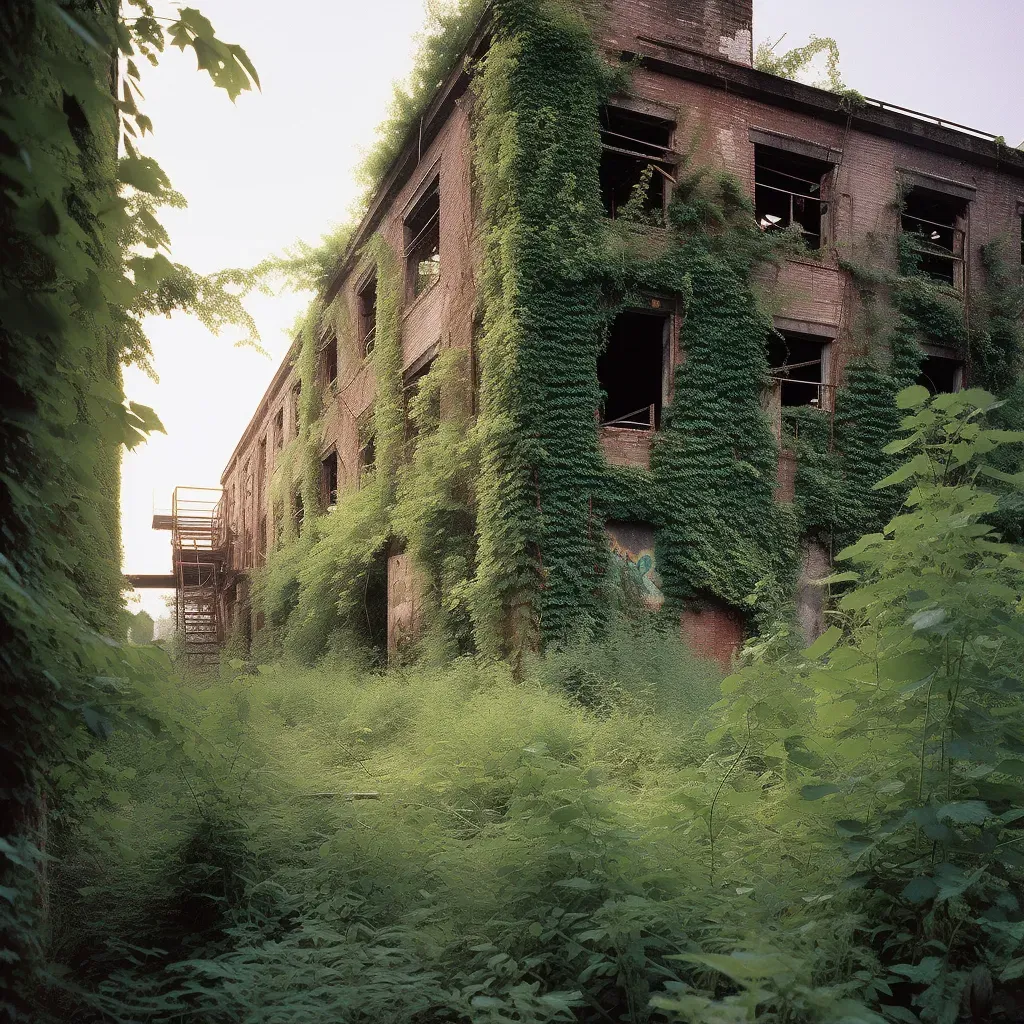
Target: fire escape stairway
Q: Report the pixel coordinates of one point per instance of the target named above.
(198, 565)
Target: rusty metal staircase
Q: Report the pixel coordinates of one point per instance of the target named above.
(199, 549)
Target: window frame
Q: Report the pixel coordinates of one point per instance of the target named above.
(413, 237)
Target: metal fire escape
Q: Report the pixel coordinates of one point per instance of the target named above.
(199, 548)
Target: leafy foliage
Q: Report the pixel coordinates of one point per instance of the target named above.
(82, 264)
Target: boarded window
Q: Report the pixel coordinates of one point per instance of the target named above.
(788, 191)
(423, 242)
(630, 144)
(632, 370)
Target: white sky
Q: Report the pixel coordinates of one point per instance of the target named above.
(278, 166)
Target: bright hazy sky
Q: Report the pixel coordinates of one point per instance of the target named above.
(278, 166)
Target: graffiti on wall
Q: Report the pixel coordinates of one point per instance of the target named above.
(633, 544)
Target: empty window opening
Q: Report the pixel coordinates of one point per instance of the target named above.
(296, 406)
(329, 478)
(367, 456)
(933, 220)
(368, 315)
(423, 242)
(788, 190)
(630, 143)
(279, 429)
(631, 371)
(262, 550)
(329, 362)
(297, 510)
(941, 375)
(797, 365)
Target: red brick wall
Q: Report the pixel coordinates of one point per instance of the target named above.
(625, 447)
(719, 27)
(713, 631)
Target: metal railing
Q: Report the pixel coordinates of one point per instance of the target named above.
(627, 421)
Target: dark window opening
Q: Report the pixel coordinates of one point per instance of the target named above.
(937, 240)
(279, 429)
(631, 371)
(329, 478)
(298, 511)
(1022, 239)
(329, 362)
(940, 374)
(423, 242)
(262, 552)
(796, 364)
(368, 315)
(630, 143)
(367, 456)
(296, 406)
(787, 190)
(372, 620)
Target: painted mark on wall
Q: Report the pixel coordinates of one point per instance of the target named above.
(633, 543)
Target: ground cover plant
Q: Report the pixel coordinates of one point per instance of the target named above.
(613, 833)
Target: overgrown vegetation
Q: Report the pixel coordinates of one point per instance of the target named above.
(550, 815)
(836, 839)
(82, 263)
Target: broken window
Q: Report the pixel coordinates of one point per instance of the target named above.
(279, 429)
(797, 364)
(296, 395)
(941, 374)
(329, 478)
(368, 315)
(632, 370)
(630, 143)
(788, 190)
(423, 242)
(933, 221)
(329, 362)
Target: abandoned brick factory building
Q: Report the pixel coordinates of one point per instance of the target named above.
(837, 170)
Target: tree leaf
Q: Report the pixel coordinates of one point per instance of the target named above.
(824, 643)
(919, 889)
(965, 812)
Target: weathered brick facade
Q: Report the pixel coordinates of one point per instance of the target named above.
(694, 70)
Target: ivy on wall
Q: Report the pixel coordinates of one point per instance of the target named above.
(507, 532)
